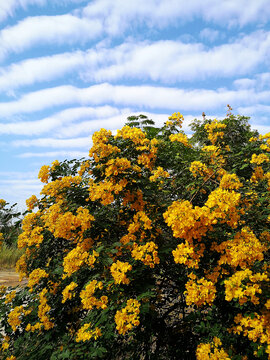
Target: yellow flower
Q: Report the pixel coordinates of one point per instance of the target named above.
(237, 288)
(118, 271)
(2, 203)
(68, 292)
(200, 292)
(88, 300)
(14, 317)
(44, 173)
(211, 351)
(35, 277)
(55, 163)
(43, 310)
(211, 128)
(159, 172)
(182, 138)
(31, 202)
(128, 317)
(146, 253)
(259, 159)
(86, 333)
(9, 297)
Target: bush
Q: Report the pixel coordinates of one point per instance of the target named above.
(156, 247)
(10, 222)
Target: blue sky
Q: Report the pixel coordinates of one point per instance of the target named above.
(70, 67)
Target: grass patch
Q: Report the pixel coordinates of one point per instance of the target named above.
(9, 256)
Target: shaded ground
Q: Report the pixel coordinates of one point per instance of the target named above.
(10, 278)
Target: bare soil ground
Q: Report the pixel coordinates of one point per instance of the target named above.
(10, 278)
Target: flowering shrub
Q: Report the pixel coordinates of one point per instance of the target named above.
(156, 247)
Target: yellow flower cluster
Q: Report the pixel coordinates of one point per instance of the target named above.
(211, 351)
(147, 147)
(84, 166)
(175, 119)
(2, 203)
(182, 138)
(89, 301)
(140, 219)
(230, 182)
(30, 237)
(185, 254)
(44, 173)
(214, 154)
(21, 267)
(5, 343)
(10, 296)
(31, 202)
(237, 288)
(134, 200)
(68, 293)
(199, 292)
(148, 159)
(158, 173)
(187, 222)
(146, 253)
(35, 277)
(255, 327)
(198, 168)
(104, 190)
(85, 333)
(55, 187)
(43, 310)
(14, 317)
(64, 224)
(55, 163)
(259, 159)
(266, 145)
(1, 239)
(118, 271)
(213, 130)
(137, 136)
(128, 317)
(117, 166)
(243, 250)
(224, 206)
(101, 149)
(76, 258)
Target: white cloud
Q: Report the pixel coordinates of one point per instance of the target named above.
(209, 35)
(244, 83)
(183, 62)
(43, 30)
(119, 15)
(83, 142)
(145, 60)
(32, 71)
(17, 186)
(139, 97)
(60, 120)
(8, 7)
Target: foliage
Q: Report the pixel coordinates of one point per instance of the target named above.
(9, 223)
(156, 247)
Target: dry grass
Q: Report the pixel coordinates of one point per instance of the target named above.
(9, 256)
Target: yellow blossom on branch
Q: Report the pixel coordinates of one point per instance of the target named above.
(118, 271)
(128, 317)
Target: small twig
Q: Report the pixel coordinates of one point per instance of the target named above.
(209, 177)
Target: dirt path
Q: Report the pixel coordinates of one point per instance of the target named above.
(10, 278)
